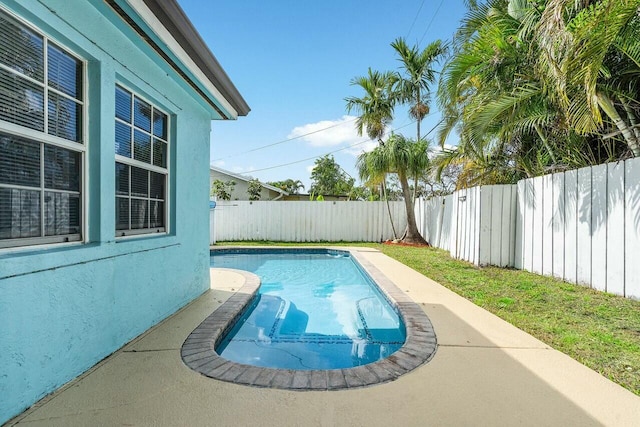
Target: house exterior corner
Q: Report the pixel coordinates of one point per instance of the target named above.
(110, 236)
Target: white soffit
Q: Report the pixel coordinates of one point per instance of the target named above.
(153, 22)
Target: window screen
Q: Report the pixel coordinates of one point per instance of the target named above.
(141, 165)
(41, 138)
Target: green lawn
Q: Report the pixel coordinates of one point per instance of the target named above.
(599, 330)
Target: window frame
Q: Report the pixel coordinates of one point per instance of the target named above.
(124, 234)
(44, 138)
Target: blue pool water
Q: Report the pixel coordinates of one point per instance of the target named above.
(312, 311)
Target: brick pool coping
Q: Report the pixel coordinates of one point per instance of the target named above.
(198, 351)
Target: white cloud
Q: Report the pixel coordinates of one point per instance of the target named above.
(310, 168)
(358, 149)
(218, 163)
(329, 133)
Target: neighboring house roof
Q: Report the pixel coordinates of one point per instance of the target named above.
(173, 35)
(327, 197)
(247, 179)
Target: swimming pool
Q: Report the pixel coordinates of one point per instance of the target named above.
(199, 350)
(313, 311)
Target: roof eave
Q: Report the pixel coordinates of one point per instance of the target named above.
(180, 28)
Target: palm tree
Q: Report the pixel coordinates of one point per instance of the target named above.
(535, 87)
(396, 155)
(372, 174)
(420, 163)
(590, 50)
(490, 96)
(376, 107)
(413, 87)
(495, 95)
(289, 185)
(375, 111)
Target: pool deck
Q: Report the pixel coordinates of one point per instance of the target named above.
(485, 372)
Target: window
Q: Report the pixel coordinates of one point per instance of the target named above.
(41, 138)
(141, 165)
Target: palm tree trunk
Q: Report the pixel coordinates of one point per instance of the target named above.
(610, 110)
(384, 191)
(545, 141)
(419, 117)
(415, 179)
(632, 119)
(412, 234)
(415, 191)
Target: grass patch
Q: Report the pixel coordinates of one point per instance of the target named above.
(597, 329)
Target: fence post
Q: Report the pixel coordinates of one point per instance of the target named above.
(212, 222)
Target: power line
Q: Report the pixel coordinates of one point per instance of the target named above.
(434, 128)
(285, 140)
(414, 20)
(431, 22)
(326, 154)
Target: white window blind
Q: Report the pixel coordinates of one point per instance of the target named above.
(141, 165)
(41, 138)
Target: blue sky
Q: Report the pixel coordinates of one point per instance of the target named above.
(293, 62)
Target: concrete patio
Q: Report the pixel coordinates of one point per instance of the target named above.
(485, 372)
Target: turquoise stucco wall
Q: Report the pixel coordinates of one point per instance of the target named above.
(64, 308)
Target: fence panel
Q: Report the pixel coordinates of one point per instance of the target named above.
(599, 227)
(547, 225)
(520, 225)
(615, 228)
(503, 227)
(446, 210)
(538, 225)
(496, 218)
(558, 224)
(513, 201)
(586, 223)
(632, 228)
(487, 197)
(455, 219)
(570, 225)
(300, 221)
(497, 213)
(434, 217)
(475, 224)
(583, 231)
(469, 230)
(475, 240)
(434, 220)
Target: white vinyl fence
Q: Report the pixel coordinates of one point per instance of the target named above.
(301, 221)
(582, 226)
(433, 217)
(475, 224)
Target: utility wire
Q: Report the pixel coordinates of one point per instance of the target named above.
(285, 140)
(434, 128)
(326, 154)
(431, 22)
(414, 20)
